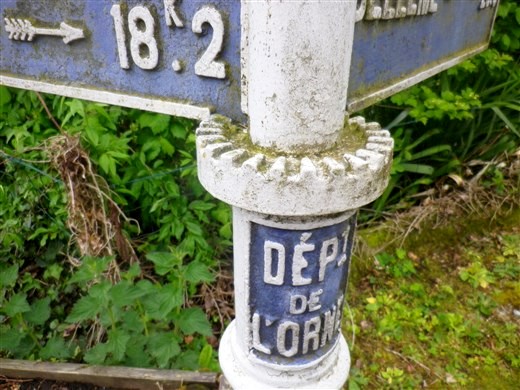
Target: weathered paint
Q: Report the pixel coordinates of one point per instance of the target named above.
(413, 47)
(242, 366)
(91, 67)
(391, 55)
(298, 60)
(305, 182)
(297, 285)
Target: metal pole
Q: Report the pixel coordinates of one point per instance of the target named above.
(295, 179)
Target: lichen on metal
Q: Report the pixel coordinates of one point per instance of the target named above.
(282, 183)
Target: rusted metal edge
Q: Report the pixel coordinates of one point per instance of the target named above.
(115, 377)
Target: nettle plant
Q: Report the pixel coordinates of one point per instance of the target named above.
(136, 305)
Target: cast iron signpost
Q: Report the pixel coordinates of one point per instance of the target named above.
(186, 57)
(288, 72)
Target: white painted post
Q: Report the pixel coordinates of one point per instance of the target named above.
(295, 178)
(298, 60)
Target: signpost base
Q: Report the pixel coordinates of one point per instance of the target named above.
(294, 219)
(240, 373)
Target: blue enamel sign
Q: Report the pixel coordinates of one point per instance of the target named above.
(297, 282)
(398, 43)
(183, 57)
(177, 57)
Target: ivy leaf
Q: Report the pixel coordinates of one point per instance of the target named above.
(96, 355)
(161, 303)
(105, 162)
(10, 339)
(163, 347)
(178, 130)
(40, 312)
(132, 322)
(5, 96)
(193, 320)
(146, 287)
(134, 352)
(86, 308)
(53, 271)
(187, 360)
(8, 276)
(200, 205)
(196, 272)
(124, 293)
(133, 272)
(156, 122)
(56, 348)
(165, 261)
(205, 357)
(226, 232)
(194, 228)
(167, 147)
(17, 304)
(117, 341)
(91, 269)
(100, 292)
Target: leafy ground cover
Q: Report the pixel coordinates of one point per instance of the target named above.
(435, 295)
(80, 278)
(111, 252)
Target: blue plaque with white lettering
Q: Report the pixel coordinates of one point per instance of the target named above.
(398, 43)
(297, 285)
(184, 57)
(176, 57)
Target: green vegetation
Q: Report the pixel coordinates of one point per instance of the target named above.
(72, 287)
(437, 309)
(111, 251)
(469, 112)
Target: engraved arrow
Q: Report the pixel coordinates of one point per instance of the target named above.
(23, 30)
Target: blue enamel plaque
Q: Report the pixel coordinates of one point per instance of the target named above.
(297, 286)
(176, 56)
(182, 57)
(398, 43)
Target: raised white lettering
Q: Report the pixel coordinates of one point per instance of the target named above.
(171, 15)
(329, 321)
(411, 8)
(299, 262)
(207, 65)
(361, 10)
(328, 253)
(488, 3)
(115, 11)
(373, 12)
(298, 304)
(339, 305)
(314, 300)
(311, 334)
(281, 338)
(277, 278)
(143, 45)
(388, 11)
(257, 344)
(396, 9)
(400, 9)
(343, 257)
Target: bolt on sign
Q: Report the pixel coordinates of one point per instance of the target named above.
(184, 57)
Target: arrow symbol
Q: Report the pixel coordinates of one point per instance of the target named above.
(23, 30)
